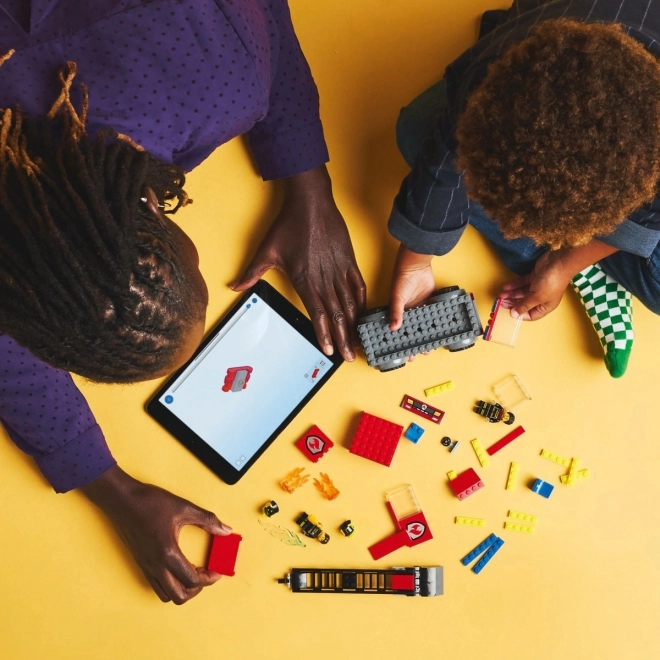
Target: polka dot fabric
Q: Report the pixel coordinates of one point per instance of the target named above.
(180, 78)
(47, 417)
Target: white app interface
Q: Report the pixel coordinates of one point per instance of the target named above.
(246, 382)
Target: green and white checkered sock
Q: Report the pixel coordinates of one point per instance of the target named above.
(609, 307)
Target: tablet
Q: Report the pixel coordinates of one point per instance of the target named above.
(249, 378)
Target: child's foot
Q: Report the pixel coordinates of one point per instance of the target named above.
(609, 307)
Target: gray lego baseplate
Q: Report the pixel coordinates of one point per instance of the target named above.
(447, 319)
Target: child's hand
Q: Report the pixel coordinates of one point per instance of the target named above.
(535, 295)
(412, 282)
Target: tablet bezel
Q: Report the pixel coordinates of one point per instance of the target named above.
(187, 437)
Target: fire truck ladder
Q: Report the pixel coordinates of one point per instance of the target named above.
(415, 581)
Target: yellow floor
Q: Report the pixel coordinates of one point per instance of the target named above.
(585, 585)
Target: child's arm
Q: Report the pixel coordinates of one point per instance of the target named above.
(412, 282)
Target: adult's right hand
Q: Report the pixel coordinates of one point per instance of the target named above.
(412, 282)
(149, 519)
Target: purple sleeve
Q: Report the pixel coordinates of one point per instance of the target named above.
(48, 418)
(289, 139)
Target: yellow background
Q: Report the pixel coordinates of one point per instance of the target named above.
(586, 585)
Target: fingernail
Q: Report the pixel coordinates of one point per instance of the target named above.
(350, 356)
(514, 314)
(227, 528)
(328, 349)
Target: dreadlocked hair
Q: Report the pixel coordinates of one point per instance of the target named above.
(561, 140)
(90, 280)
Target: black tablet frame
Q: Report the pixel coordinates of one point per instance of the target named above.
(187, 437)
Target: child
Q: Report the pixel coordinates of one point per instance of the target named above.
(545, 136)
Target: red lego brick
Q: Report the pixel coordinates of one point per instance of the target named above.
(376, 439)
(509, 437)
(315, 444)
(223, 554)
(466, 483)
(397, 540)
(403, 582)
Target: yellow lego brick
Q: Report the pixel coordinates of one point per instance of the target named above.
(572, 471)
(480, 452)
(513, 475)
(451, 475)
(523, 517)
(560, 460)
(515, 527)
(580, 474)
(443, 387)
(472, 522)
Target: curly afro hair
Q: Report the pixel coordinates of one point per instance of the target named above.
(561, 140)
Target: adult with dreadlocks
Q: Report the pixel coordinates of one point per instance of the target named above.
(545, 136)
(106, 106)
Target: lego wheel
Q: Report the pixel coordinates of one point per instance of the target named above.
(376, 312)
(385, 368)
(455, 348)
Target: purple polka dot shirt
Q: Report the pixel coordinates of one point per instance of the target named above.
(180, 78)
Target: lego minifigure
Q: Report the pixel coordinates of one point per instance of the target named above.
(494, 412)
(311, 527)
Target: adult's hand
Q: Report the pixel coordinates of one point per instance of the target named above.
(309, 242)
(412, 282)
(149, 520)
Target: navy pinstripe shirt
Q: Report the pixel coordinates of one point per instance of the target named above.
(432, 209)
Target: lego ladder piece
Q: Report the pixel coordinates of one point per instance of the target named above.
(412, 581)
(508, 438)
(376, 439)
(479, 451)
(513, 475)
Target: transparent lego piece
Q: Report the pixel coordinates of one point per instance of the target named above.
(502, 328)
(402, 502)
(510, 392)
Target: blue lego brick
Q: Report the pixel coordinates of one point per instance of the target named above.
(488, 555)
(473, 554)
(414, 433)
(543, 488)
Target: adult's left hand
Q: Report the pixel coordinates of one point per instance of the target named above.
(309, 241)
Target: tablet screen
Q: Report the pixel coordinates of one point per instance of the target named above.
(246, 381)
